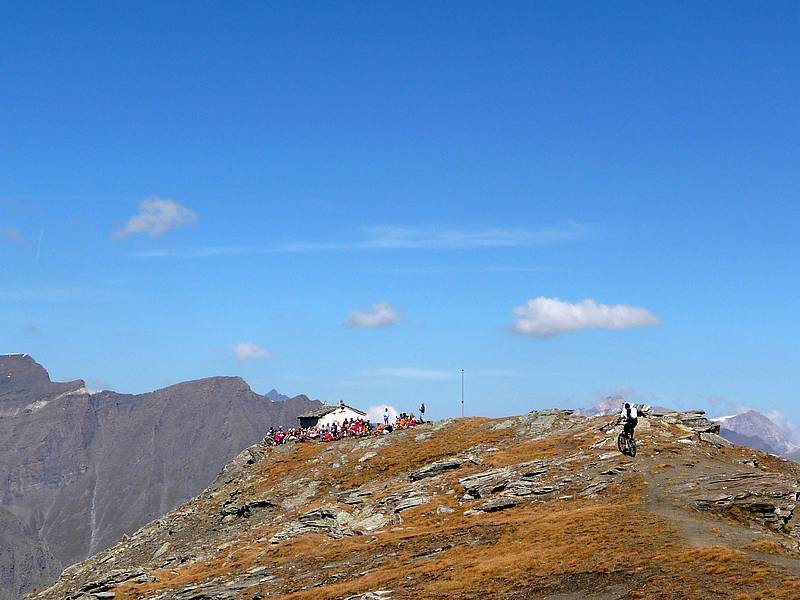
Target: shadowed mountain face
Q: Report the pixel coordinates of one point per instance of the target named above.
(80, 470)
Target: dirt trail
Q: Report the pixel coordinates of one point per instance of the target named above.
(666, 471)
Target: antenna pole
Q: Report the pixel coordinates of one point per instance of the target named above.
(462, 392)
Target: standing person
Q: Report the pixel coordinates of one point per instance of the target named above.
(386, 416)
(422, 413)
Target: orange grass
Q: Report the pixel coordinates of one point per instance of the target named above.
(575, 545)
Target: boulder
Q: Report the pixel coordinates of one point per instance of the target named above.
(488, 482)
(715, 440)
(435, 468)
(766, 498)
(331, 521)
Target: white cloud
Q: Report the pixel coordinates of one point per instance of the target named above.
(380, 315)
(156, 217)
(248, 350)
(789, 429)
(543, 317)
(375, 413)
(410, 373)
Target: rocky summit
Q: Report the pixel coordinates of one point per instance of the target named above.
(79, 470)
(537, 506)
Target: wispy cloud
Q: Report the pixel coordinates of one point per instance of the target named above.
(9, 234)
(381, 314)
(156, 217)
(454, 269)
(206, 252)
(248, 351)
(495, 373)
(394, 238)
(434, 238)
(542, 317)
(43, 294)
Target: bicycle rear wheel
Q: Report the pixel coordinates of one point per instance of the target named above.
(632, 447)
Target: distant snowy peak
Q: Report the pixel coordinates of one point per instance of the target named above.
(752, 428)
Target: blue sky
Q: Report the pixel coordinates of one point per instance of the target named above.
(446, 163)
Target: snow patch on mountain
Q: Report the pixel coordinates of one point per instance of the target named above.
(771, 432)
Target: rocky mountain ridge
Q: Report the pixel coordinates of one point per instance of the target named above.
(757, 430)
(79, 470)
(537, 506)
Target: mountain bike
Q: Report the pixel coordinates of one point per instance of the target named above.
(626, 443)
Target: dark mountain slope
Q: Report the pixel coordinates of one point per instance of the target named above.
(22, 556)
(79, 470)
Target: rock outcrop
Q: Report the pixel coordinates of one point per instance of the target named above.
(536, 506)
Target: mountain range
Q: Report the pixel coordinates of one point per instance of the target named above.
(757, 430)
(79, 470)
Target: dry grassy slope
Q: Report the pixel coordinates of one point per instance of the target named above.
(538, 506)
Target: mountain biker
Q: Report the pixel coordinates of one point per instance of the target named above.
(631, 418)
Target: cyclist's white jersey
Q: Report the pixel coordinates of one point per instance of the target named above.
(634, 414)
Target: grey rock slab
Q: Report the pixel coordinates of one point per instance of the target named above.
(529, 488)
(690, 421)
(376, 595)
(435, 468)
(715, 440)
(766, 498)
(411, 502)
(165, 547)
(329, 520)
(369, 523)
(497, 504)
(487, 482)
(356, 496)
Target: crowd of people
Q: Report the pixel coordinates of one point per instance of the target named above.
(337, 431)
